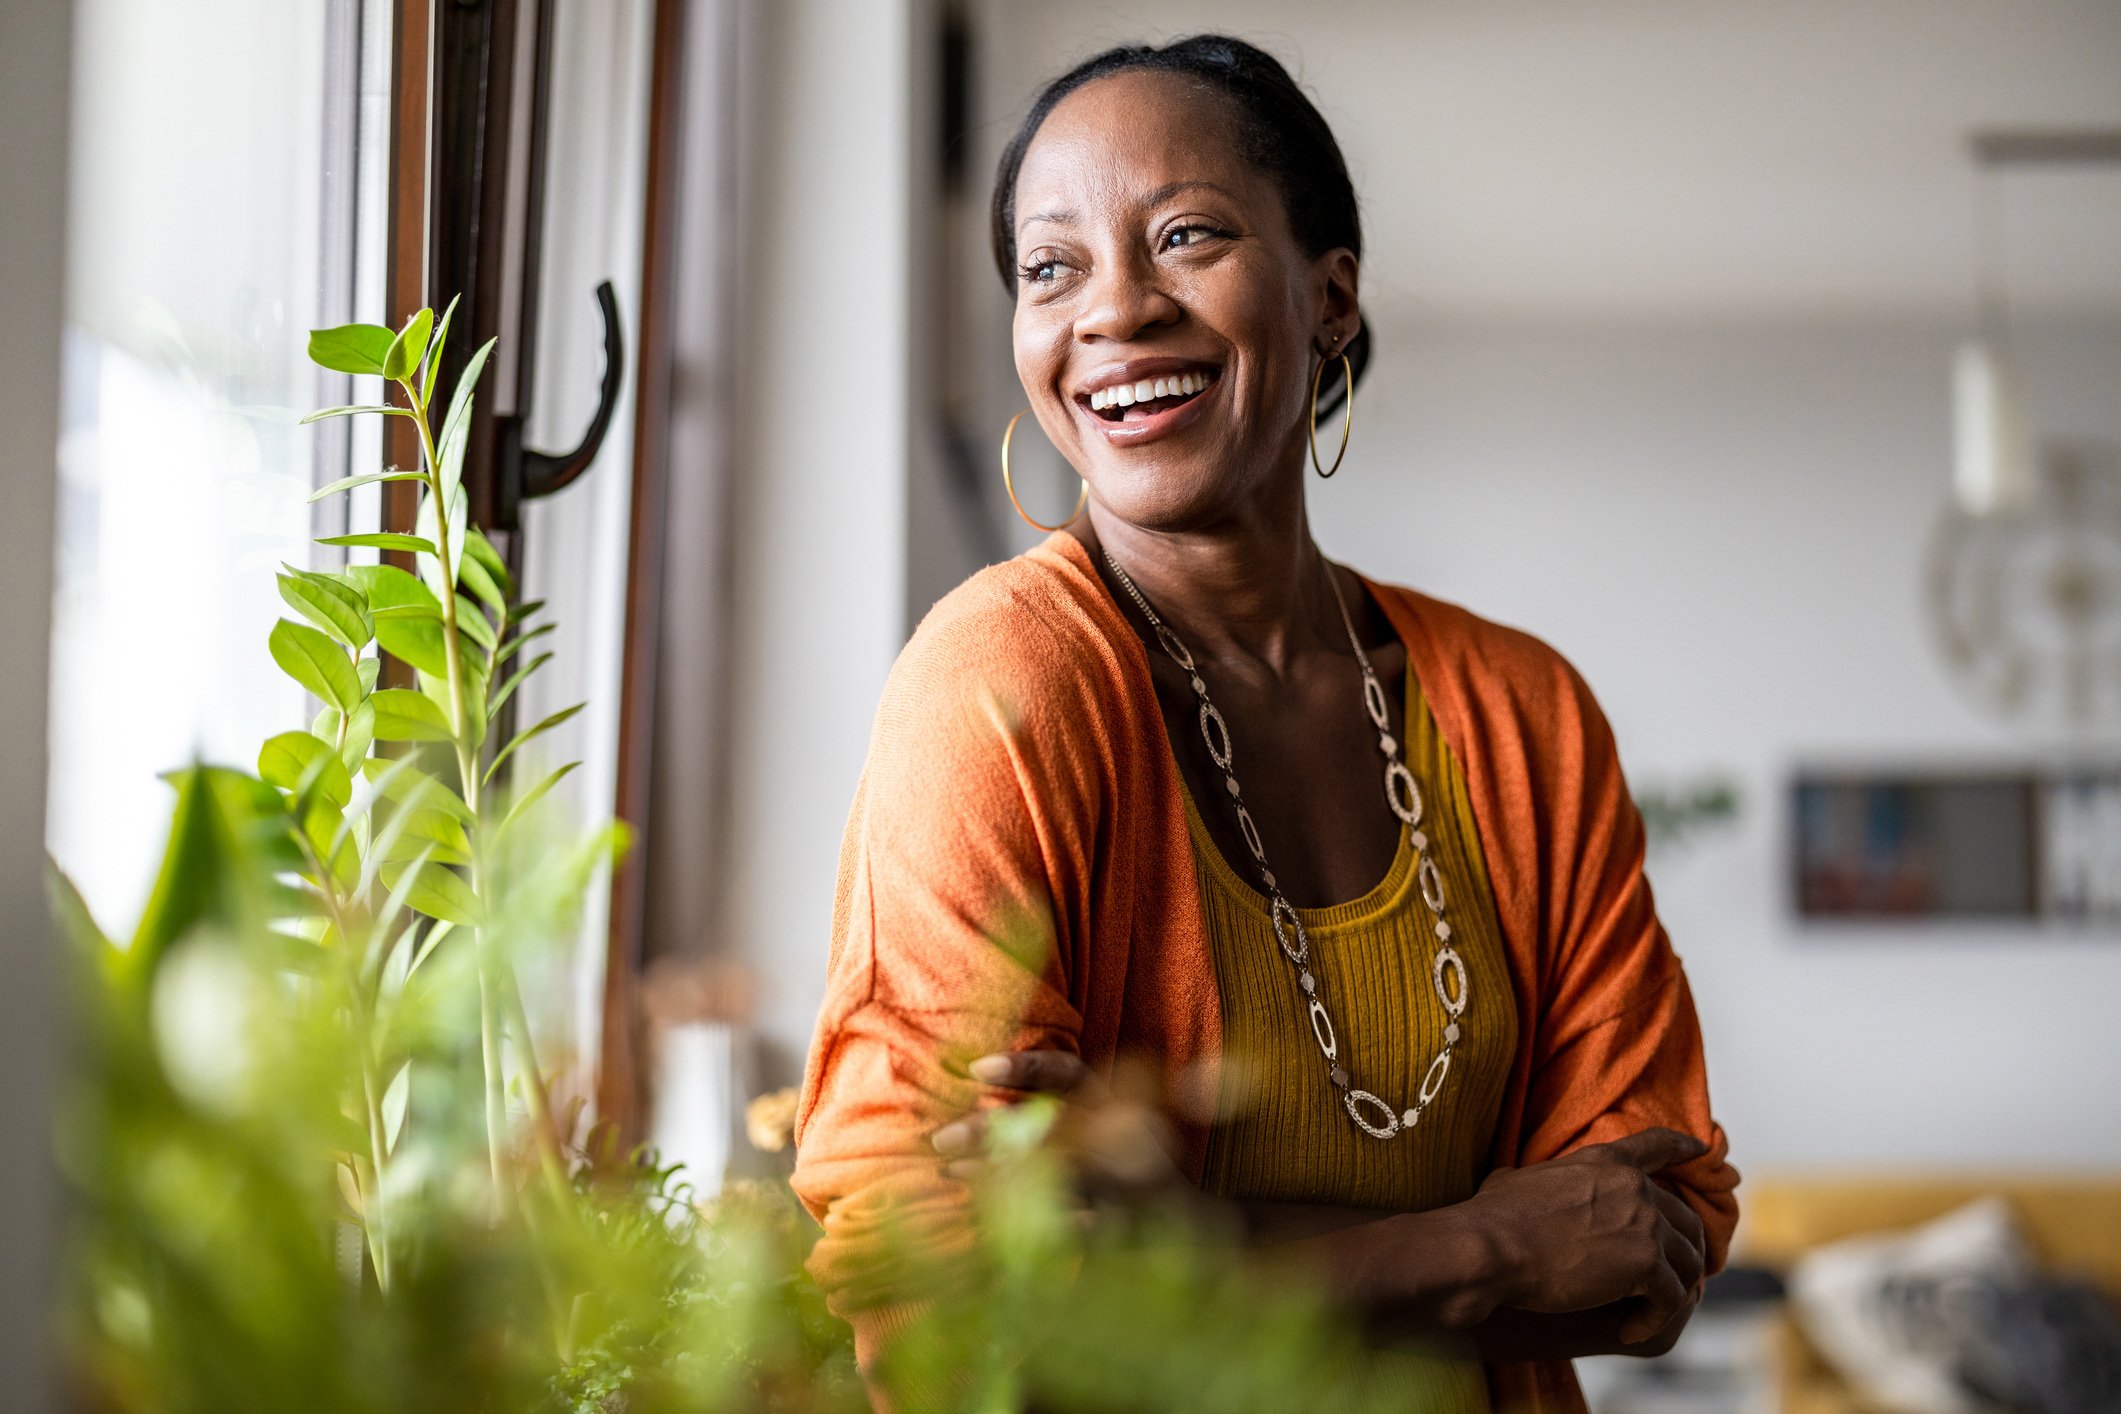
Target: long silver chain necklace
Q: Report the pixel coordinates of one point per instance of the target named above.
(1375, 1116)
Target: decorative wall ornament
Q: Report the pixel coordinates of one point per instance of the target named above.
(2024, 574)
(2026, 603)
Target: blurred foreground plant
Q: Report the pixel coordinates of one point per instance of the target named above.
(313, 1158)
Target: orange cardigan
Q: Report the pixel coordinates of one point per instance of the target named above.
(1016, 872)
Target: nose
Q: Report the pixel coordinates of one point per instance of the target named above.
(1124, 299)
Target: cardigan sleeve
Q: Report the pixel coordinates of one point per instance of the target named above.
(1618, 1046)
(948, 943)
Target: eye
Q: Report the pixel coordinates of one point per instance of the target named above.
(1041, 269)
(1191, 234)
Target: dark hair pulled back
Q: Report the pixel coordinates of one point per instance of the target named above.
(1280, 132)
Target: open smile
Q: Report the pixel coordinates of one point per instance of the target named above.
(1141, 401)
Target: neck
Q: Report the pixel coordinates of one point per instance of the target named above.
(1253, 587)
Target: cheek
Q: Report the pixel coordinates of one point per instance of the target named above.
(1039, 343)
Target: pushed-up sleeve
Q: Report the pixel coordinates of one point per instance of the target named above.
(1618, 1045)
(950, 940)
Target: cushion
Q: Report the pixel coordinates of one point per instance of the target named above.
(1897, 1313)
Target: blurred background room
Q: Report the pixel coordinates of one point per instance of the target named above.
(1765, 359)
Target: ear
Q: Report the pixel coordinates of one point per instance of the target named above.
(1339, 309)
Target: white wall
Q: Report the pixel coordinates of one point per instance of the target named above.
(1723, 526)
(1725, 531)
(34, 70)
(820, 484)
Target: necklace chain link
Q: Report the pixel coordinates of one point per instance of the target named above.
(1372, 1114)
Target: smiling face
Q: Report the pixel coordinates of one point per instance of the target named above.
(1167, 320)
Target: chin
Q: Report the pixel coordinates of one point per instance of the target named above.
(1164, 493)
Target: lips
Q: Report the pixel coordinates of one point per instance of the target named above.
(1138, 401)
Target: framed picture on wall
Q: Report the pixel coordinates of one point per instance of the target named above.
(2001, 846)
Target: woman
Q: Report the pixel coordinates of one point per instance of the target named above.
(1355, 868)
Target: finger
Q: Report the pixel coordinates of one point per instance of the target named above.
(1048, 1072)
(1668, 1333)
(1680, 1254)
(967, 1170)
(1681, 1215)
(1662, 1295)
(961, 1136)
(1654, 1149)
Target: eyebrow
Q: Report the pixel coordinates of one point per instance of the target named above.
(1155, 198)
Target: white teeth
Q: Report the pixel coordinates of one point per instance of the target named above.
(1122, 395)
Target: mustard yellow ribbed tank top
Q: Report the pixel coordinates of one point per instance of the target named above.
(1287, 1135)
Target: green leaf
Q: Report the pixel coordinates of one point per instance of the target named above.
(227, 840)
(449, 455)
(438, 893)
(416, 640)
(532, 796)
(525, 610)
(460, 400)
(389, 587)
(409, 716)
(296, 761)
(384, 540)
(348, 483)
(412, 787)
(313, 660)
(321, 413)
(519, 640)
(472, 574)
(397, 1096)
(436, 686)
(434, 353)
(323, 825)
(395, 904)
(478, 547)
(459, 517)
(471, 622)
(435, 833)
(360, 731)
(331, 604)
(351, 348)
(509, 684)
(410, 345)
(370, 669)
(428, 944)
(537, 731)
(325, 725)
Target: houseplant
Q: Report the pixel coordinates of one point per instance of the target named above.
(316, 1163)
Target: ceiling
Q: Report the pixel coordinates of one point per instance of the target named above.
(1673, 160)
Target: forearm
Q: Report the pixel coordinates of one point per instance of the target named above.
(1435, 1271)
(1434, 1274)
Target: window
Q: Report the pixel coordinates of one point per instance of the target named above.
(212, 223)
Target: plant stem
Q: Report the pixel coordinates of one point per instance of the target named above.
(468, 782)
(362, 1021)
(550, 1159)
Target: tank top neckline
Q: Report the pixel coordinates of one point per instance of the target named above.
(1379, 899)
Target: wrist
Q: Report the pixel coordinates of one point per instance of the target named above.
(1451, 1263)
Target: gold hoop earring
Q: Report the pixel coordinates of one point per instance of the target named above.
(1010, 486)
(1347, 419)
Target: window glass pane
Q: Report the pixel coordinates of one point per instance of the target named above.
(217, 143)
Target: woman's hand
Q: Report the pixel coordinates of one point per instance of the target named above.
(1116, 1142)
(1594, 1229)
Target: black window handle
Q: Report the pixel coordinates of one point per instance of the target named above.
(526, 474)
